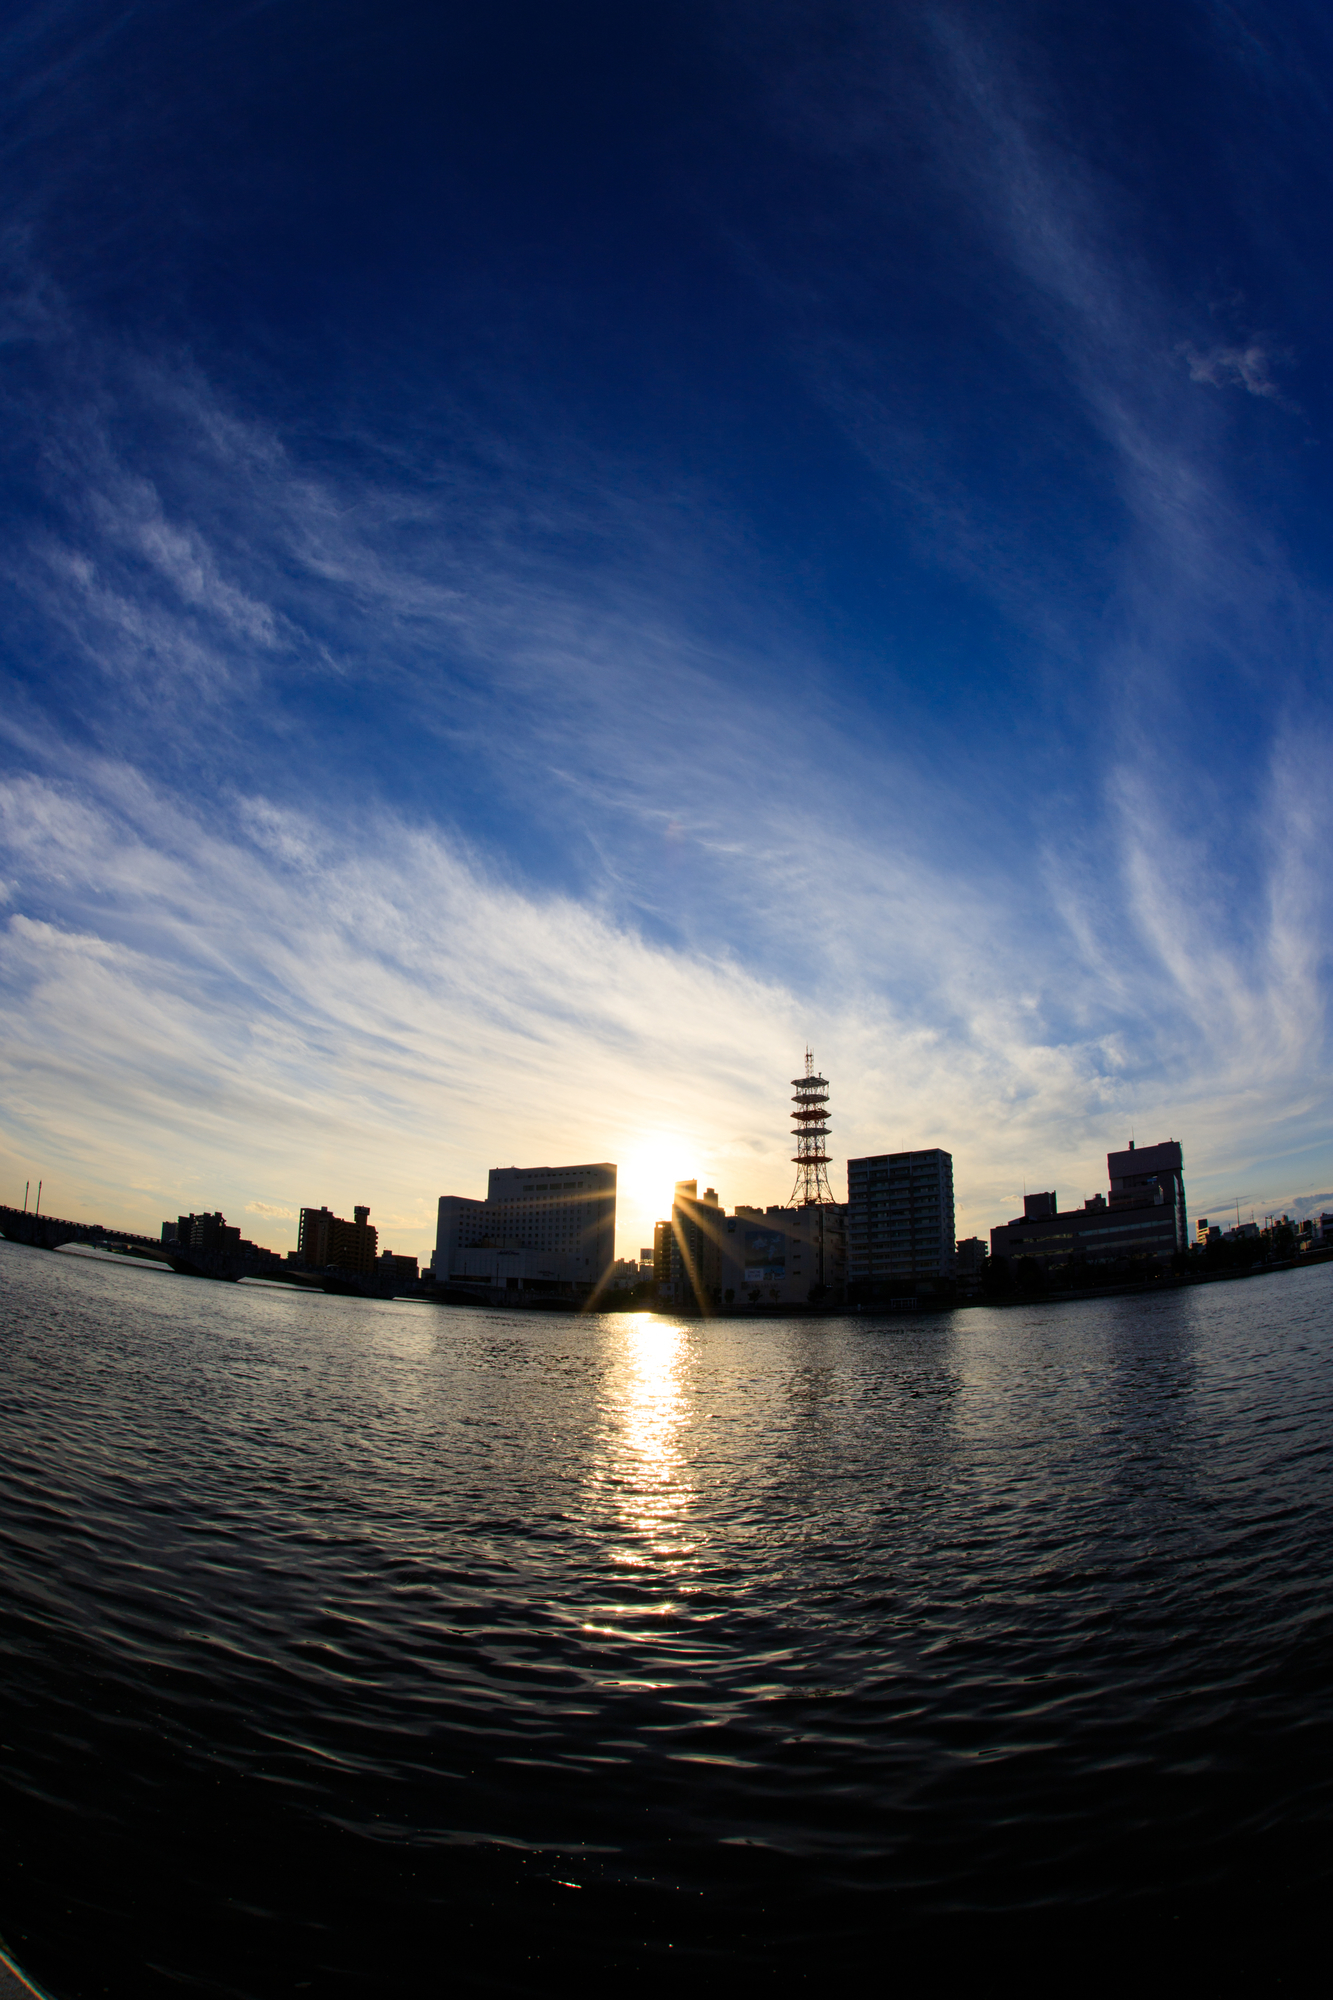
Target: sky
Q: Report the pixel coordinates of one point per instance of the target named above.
(554, 557)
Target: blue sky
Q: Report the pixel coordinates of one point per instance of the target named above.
(553, 555)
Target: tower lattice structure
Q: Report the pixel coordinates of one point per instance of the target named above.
(811, 1121)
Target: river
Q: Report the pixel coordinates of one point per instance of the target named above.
(360, 1647)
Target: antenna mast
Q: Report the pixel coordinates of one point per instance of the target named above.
(811, 1121)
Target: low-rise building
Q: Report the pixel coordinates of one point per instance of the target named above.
(396, 1269)
(971, 1256)
(1142, 1221)
(706, 1259)
(784, 1256)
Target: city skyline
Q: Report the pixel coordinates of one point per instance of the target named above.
(271, 1218)
(694, 536)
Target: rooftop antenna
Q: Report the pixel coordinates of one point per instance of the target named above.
(811, 1121)
(37, 1211)
(26, 1186)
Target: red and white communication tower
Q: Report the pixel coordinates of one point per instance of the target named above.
(811, 1121)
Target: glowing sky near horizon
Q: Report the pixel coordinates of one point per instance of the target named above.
(556, 555)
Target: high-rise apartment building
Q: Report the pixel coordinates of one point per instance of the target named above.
(900, 1222)
(325, 1241)
(561, 1219)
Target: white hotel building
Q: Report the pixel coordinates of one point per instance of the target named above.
(544, 1225)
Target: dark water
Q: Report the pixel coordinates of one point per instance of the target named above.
(361, 1648)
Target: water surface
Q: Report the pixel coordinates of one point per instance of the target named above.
(348, 1642)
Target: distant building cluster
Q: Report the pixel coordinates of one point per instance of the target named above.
(211, 1237)
(1314, 1232)
(774, 1256)
(200, 1232)
(326, 1245)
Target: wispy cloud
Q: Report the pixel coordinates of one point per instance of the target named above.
(1249, 367)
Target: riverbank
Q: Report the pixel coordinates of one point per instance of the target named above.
(1173, 1282)
(917, 1307)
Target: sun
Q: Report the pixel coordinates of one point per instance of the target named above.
(649, 1173)
(646, 1179)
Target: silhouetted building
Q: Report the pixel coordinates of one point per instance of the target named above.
(395, 1269)
(326, 1242)
(971, 1256)
(696, 1264)
(900, 1222)
(664, 1263)
(550, 1224)
(784, 1256)
(704, 1258)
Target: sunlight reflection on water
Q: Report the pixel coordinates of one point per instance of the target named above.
(642, 1466)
